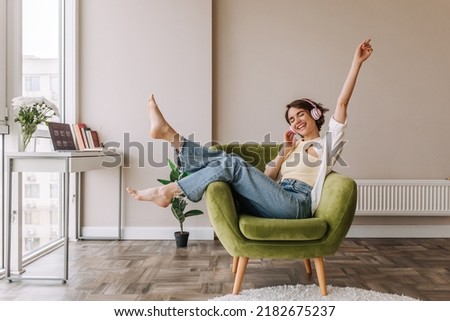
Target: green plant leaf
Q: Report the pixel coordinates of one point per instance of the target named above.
(164, 181)
(193, 213)
(179, 204)
(174, 175)
(179, 215)
(172, 165)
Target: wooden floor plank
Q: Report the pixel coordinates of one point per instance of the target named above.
(157, 270)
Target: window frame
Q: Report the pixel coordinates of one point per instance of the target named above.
(11, 81)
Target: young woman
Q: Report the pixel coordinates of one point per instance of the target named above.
(292, 183)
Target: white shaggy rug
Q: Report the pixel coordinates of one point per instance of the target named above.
(311, 293)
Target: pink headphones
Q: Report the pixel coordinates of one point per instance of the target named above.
(316, 113)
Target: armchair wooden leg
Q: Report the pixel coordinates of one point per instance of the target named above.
(308, 266)
(320, 271)
(235, 264)
(242, 266)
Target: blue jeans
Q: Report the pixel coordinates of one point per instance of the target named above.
(257, 194)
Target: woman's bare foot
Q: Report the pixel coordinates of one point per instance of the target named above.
(161, 196)
(159, 127)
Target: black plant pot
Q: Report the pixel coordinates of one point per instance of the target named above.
(181, 238)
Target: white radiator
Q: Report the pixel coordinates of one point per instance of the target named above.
(403, 197)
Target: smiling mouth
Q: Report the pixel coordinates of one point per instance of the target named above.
(301, 127)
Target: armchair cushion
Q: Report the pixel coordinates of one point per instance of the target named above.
(268, 229)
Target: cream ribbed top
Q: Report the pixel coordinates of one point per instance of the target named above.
(300, 165)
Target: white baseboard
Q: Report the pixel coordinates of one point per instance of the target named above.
(207, 233)
(146, 233)
(399, 231)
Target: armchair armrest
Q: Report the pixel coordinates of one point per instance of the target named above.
(222, 212)
(337, 207)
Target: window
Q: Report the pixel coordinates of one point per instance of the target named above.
(41, 66)
(46, 30)
(41, 44)
(54, 88)
(32, 84)
(54, 190)
(32, 190)
(3, 123)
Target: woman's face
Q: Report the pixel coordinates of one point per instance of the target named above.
(302, 123)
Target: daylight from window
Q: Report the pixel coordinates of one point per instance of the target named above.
(41, 42)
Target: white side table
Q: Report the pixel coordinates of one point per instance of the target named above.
(66, 163)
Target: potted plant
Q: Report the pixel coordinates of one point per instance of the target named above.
(178, 205)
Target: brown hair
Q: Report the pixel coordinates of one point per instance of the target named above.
(307, 104)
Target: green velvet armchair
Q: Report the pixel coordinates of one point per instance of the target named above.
(245, 236)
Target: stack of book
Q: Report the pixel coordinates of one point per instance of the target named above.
(73, 137)
(85, 137)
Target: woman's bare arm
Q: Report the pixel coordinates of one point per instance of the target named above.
(363, 51)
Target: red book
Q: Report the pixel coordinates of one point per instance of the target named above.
(79, 135)
(95, 138)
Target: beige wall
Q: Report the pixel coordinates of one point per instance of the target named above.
(268, 52)
(128, 50)
(262, 55)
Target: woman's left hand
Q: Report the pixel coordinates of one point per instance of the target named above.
(363, 51)
(289, 139)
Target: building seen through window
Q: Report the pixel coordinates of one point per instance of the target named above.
(41, 76)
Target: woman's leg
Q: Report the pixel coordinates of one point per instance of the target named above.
(261, 195)
(159, 129)
(192, 157)
(161, 195)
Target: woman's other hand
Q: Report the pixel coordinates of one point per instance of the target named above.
(363, 51)
(289, 141)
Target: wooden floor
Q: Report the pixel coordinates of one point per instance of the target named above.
(157, 270)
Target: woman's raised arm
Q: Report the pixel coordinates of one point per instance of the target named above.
(363, 51)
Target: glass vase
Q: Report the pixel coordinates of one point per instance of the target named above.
(26, 134)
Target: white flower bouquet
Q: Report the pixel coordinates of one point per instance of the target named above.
(31, 112)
